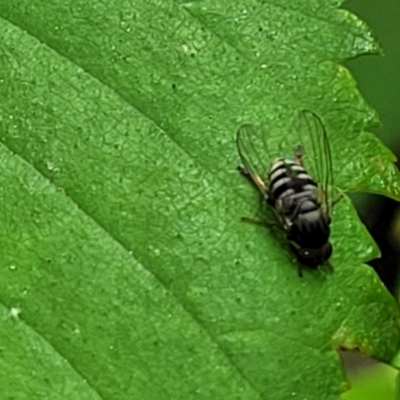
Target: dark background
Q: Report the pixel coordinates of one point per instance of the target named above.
(378, 79)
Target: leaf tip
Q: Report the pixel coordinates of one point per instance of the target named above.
(346, 341)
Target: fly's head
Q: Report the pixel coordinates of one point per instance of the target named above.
(312, 257)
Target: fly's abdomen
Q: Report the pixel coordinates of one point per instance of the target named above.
(289, 180)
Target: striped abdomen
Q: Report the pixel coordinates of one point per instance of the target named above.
(294, 195)
(291, 189)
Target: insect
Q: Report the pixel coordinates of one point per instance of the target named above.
(302, 200)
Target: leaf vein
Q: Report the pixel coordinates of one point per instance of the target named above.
(99, 224)
(80, 374)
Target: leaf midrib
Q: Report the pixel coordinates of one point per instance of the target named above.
(108, 233)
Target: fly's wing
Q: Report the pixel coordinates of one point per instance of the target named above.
(253, 152)
(258, 150)
(317, 153)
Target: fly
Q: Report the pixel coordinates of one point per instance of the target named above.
(302, 201)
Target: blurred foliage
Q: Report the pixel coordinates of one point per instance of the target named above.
(378, 77)
(374, 383)
(379, 80)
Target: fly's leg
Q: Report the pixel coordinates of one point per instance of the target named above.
(329, 266)
(257, 183)
(331, 203)
(260, 186)
(243, 171)
(298, 155)
(260, 222)
(300, 270)
(335, 201)
(254, 180)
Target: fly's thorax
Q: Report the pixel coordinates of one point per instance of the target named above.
(308, 236)
(310, 227)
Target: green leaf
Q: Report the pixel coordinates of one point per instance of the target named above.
(126, 272)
